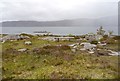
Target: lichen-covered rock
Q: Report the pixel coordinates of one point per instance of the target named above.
(22, 50)
(28, 42)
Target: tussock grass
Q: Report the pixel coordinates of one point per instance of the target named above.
(42, 61)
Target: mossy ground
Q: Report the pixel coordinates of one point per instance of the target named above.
(55, 64)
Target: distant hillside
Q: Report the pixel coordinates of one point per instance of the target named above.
(106, 21)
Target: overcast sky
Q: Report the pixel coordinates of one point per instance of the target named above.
(47, 10)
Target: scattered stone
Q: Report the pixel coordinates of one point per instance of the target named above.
(75, 47)
(3, 41)
(91, 52)
(82, 44)
(28, 42)
(13, 37)
(82, 49)
(89, 46)
(71, 45)
(22, 50)
(25, 37)
(103, 44)
(73, 50)
(98, 49)
(113, 53)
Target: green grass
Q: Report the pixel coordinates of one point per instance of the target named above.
(54, 63)
(43, 66)
(35, 43)
(114, 47)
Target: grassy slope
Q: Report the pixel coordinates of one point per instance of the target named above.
(65, 65)
(0, 61)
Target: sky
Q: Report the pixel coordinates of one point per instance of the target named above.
(50, 10)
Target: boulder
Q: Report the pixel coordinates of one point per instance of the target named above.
(102, 44)
(89, 46)
(22, 50)
(82, 49)
(71, 45)
(3, 41)
(113, 53)
(75, 47)
(83, 43)
(91, 52)
(73, 50)
(28, 42)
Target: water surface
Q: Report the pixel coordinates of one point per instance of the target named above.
(56, 30)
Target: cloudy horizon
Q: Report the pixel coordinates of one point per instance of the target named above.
(50, 10)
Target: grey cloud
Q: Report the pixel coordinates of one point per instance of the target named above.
(56, 9)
